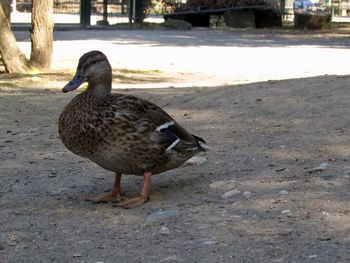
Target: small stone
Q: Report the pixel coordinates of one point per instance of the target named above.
(209, 242)
(247, 194)
(161, 215)
(164, 230)
(286, 211)
(280, 169)
(59, 190)
(278, 260)
(77, 255)
(231, 193)
(328, 176)
(324, 238)
(313, 256)
(12, 244)
(196, 160)
(223, 185)
(283, 192)
(171, 259)
(323, 166)
(52, 174)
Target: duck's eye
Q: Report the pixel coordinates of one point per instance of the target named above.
(94, 62)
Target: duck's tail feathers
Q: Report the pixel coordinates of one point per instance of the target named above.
(201, 142)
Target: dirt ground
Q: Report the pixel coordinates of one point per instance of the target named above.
(274, 188)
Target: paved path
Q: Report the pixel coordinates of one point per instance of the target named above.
(216, 57)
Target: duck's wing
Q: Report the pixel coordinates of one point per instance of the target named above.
(151, 120)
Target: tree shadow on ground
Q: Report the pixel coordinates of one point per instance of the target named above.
(60, 78)
(264, 137)
(233, 37)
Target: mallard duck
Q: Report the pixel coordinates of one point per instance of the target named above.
(121, 133)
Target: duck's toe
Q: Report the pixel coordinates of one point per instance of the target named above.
(133, 202)
(109, 197)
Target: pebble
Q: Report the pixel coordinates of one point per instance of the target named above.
(77, 255)
(328, 176)
(196, 160)
(59, 190)
(286, 211)
(283, 192)
(280, 169)
(209, 242)
(171, 259)
(324, 238)
(52, 174)
(223, 185)
(320, 168)
(164, 230)
(161, 215)
(247, 194)
(231, 193)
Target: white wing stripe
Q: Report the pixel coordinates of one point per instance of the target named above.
(164, 126)
(172, 145)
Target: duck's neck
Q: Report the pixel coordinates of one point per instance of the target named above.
(100, 89)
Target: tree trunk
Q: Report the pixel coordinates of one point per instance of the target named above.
(14, 60)
(42, 33)
(6, 6)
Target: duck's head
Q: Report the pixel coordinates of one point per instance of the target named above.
(93, 68)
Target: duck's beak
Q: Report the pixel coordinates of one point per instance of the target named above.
(75, 82)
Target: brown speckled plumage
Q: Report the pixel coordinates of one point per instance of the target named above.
(121, 133)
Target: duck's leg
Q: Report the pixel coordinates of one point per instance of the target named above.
(115, 196)
(143, 197)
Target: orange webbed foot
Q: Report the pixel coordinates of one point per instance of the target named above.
(109, 197)
(115, 196)
(144, 196)
(132, 202)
